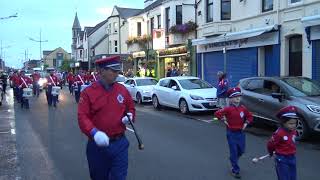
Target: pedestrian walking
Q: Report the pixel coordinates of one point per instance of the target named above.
(52, 81)
(282, 143)
(222, 88)
(236, 117)
(104, 109)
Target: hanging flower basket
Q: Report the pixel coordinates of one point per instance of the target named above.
(183, 28)
(140, 40)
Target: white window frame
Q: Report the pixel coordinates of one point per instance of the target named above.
(294, 4)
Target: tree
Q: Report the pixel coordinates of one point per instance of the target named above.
(45, 66)
(65, 66)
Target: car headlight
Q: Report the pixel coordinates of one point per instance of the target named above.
(313, 108)
(195, 97)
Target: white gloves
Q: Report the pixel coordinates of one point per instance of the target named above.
(101, 138)
(125, 119)
(244, 126)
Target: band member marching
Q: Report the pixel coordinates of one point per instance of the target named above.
(79, 80)
(52, 81)
(70, 79)
(36, 87)
(24, 82)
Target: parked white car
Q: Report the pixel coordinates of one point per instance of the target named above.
(121, 79)
(189, 94)
(140, 88)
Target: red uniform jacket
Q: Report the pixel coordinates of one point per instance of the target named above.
(53, 81)
(87, 78)
(104, 109)
(70, 78)
(282, 142)
(24, 82)
(35, 77)
(79, 80)
(236, 116)
(15, 79)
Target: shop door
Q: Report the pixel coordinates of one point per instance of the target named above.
(241, 63)
(295, 56)
(212, 63)
(316, 60)
(272, 60)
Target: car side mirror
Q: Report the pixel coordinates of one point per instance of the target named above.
(278, 96)
(174, 88)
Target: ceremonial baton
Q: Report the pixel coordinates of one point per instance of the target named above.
(256, 159)
(141, 145)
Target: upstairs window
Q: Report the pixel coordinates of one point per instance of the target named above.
(138, 29)
(209, 11)
(267, 5)
(159, 21)
(225, 9)
(295, 1)
(115, 27)
(167, 19)
(179, 14)
(151, 25)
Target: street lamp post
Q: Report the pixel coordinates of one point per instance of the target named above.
(40, 42)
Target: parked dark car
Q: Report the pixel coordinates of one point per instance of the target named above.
(264, 96)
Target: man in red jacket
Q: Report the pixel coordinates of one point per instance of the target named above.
(36, 87)
(103, 111)
(70, 79)
(24, 82)
(52, 81)
(236, 117)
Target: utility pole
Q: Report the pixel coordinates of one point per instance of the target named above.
(40, 43)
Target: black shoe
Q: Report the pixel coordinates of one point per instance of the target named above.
(236, 175)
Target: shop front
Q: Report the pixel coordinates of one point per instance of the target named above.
(242, 54)
(312, 25)
(175, 60)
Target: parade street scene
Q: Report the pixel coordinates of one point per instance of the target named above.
(159, 90)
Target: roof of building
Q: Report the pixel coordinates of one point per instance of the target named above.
(45, 53)
(97, 26)
(127, 12)
(88, 29)
(76, 23)
(151, 6)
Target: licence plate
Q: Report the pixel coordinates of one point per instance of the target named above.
(212, 103)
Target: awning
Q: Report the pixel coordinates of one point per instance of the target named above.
(311, 21)
(235, 35)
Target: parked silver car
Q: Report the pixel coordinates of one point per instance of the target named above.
(264, 96)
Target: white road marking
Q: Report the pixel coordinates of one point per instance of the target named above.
(130, 129)
(5, 132)
(13, 131)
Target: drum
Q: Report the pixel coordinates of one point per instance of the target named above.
(27, 92)
(55, 90)
(83, 87)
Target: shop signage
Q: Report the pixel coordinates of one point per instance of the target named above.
(159, 41)
(262, 40)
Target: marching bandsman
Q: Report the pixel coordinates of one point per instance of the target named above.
(87, 77)
(93, 77)
(70, 79)
(52, 81)
(104, 109)
(282, 143)
(15, 80)
(79, 80)
(236, 117)
(35, 79)
(24, 82)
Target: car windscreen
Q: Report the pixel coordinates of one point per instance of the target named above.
(194, 84)
(120, 79)
(303, 86)
(146, 82)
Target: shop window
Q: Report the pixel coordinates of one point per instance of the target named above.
(267, 5)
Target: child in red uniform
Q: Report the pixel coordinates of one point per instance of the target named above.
(282, 143)
(236, 117)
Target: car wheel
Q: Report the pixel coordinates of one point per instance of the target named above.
(155, 102)
(183, 106)
(302, 129)
(139, 98)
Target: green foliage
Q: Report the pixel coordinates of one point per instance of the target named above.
(65, 66)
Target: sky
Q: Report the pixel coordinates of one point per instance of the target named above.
(54, 18)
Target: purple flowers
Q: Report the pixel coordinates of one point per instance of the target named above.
(183, 28)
